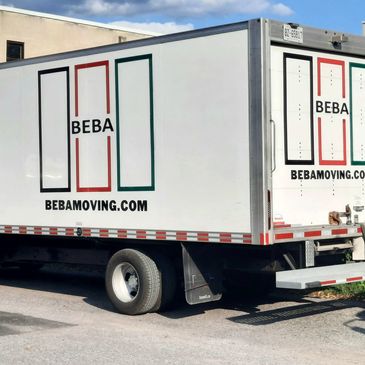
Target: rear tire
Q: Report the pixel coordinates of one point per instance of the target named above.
(168, 282)
(133, 282)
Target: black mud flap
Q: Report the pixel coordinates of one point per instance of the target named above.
(203, 273)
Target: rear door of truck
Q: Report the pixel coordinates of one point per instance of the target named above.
(318, 125)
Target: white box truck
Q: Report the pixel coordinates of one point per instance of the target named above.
(201, 156)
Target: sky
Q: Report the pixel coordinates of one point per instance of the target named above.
(170, 16)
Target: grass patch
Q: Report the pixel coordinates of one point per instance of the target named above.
(343, 291)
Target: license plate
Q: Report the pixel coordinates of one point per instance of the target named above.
(293, 34)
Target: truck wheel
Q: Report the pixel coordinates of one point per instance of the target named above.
(168, 282)
(132, 282)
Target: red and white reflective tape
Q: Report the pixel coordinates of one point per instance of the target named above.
(286, 234)
(342, 281)
(161, 235)
(304, 233)
(264, 239)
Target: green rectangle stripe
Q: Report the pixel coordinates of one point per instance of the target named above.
(353, 161)
(150, 187)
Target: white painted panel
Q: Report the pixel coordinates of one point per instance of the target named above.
(134, 123)
(332, 132)
(202, 131)
(201, 125)
(54, 120)
(92, 95)
(299, 111)
(93, 159)
(358, 114)
(304, 194)
(92, 91)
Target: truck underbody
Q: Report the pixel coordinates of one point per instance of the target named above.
(206, 271)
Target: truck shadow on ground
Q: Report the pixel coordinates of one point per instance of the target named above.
(296, 311)
(61, 279)
(257, 311)
(89, 284)
(292, 305)
(15, 324)
(357, 324)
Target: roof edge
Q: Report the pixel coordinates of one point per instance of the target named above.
(75, 20)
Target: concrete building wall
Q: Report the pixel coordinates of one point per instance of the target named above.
(43, 35)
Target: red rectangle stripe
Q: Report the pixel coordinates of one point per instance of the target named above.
(69, 232)
(247, 238)
(284, 236)
(262, 239)
(359, 230)
(53, 231)
(225, 237)
(160, 235)
(319, 89)
(38, 230)
(356, 278)
(313, 234)
(181, 236)
(333, 62)
(328, 282)
(86, 232)
(79, 188)
(107, 87)
(103, 232)
(203, 236)
(122, 233)
(23, 230)
(339, 231)
(141, 235)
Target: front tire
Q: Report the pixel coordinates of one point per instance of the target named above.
(133, 282)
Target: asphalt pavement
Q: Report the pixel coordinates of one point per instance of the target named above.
(63, 316)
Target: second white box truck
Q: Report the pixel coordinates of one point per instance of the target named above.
(234, 149)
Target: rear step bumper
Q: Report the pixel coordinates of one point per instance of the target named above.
(323, 232)
(321, 276)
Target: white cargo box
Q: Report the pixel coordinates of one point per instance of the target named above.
(234, 134)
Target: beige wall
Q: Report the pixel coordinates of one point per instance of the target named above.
(46, 36)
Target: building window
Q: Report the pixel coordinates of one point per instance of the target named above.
(14, 51)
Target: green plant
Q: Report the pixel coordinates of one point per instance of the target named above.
(348, 290)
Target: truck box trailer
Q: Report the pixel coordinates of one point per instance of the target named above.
(201, 155)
